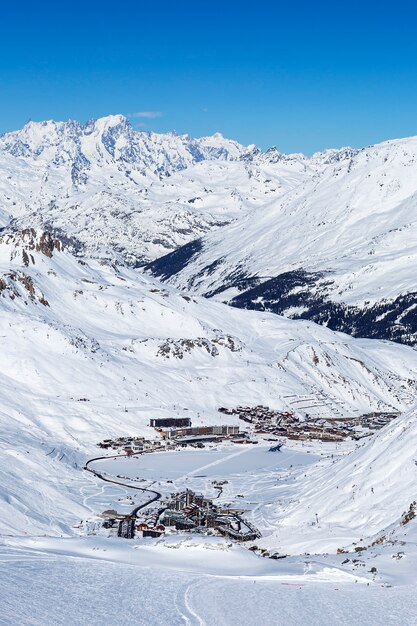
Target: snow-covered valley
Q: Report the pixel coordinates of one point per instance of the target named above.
(93, 348)
(338, 248)
(90, 351)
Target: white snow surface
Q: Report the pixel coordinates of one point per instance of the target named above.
(135, 196)
(166, 583)
(356, 499)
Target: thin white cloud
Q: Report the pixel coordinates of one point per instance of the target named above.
(150, 115)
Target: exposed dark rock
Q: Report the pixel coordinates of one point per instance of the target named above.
(179, 347)
(27, 282)
(30, 239)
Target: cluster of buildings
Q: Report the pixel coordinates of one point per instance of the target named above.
(286, 424)
(193, 512)
(181, 430)
(201, 433)
(185, 511)
(121, 525)
(336, 428)
(128, 526)
(256, 414)
(161, 423)
(175, 432)
(130, 445)
(377, 420)
(178, 431)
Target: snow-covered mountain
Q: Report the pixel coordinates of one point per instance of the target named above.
(133, 195)
(359, 493)
(93, 347)
(90, 350)
(111, 140)
(330, 238)
(339, 248)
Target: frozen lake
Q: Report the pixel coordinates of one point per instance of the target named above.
(210, 463)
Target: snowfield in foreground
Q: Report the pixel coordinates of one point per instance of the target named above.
(156, 584)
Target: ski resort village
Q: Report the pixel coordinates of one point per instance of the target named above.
(189, 512)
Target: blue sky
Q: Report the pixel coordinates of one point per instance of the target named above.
(300, 75)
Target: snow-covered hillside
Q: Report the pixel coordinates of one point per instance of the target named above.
(339, 248)
(362, 506)
(93, 347)
(90, 350)
(366, 499)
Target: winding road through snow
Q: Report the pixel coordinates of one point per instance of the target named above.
(156, 494)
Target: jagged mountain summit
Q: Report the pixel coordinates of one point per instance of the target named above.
(112, 139)
(133, 195)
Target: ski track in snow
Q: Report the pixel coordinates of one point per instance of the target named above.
(213, 464)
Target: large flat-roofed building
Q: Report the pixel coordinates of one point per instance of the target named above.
(170, 422)
(201, 431)
(197, 439)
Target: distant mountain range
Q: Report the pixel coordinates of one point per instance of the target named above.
(331, 238)
(128, 195)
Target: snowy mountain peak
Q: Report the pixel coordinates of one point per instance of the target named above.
(330, 156)
(110, 121)
(131, 194)
(148, 151)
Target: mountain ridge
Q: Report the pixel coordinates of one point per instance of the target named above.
(346, 217)
(141, 193)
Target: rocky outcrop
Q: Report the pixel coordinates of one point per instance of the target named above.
(29, 240)
(177, 348)
(20, 285)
